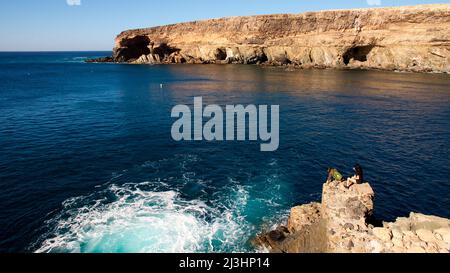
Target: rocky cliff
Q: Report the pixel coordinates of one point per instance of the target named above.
(343, 223)
(413, 38)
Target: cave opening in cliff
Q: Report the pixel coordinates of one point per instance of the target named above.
(257, 59)
(220, 54)
(164, 50)
(358, 53)
(136, 47)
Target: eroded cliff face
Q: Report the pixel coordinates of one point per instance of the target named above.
(413, 38)
(343, 223)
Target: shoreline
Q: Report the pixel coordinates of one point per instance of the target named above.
(109, 59)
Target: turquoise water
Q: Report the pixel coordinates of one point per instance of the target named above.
(87, 162)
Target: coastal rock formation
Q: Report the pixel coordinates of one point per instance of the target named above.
(413, 38)
(343, 223)
(100, 60)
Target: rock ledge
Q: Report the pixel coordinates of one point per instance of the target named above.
(342, 224)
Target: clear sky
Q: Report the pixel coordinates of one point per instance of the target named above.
(54, 25)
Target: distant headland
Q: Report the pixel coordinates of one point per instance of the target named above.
(413, 38)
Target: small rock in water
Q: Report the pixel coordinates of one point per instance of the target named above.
(100, 60)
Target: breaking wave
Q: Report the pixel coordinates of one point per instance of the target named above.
(177, 210)
(130, 219)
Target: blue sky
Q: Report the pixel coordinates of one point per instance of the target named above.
(52, 25)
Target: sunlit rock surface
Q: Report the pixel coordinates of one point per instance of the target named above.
(413, 38)
(343, 223)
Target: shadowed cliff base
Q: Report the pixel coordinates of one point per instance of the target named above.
(415, 39)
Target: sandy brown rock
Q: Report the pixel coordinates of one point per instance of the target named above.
(383, 234)
(305, 232)
(342, 223)
(303, 216)
(413, 38)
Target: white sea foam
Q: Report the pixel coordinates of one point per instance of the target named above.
(144, 221)
(156, 217)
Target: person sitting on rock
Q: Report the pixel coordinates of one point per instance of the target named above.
(359, 175)
(357, 178)
(334, 175)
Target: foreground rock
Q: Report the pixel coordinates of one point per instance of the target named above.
(405, 39)
(342, 223)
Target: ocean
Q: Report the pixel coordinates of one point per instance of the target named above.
(88, 164)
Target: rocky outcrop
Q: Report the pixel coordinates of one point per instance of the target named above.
(343, 223)
(100, 60)
(413, 38)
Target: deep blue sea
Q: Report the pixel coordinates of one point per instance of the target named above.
(87, 162)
